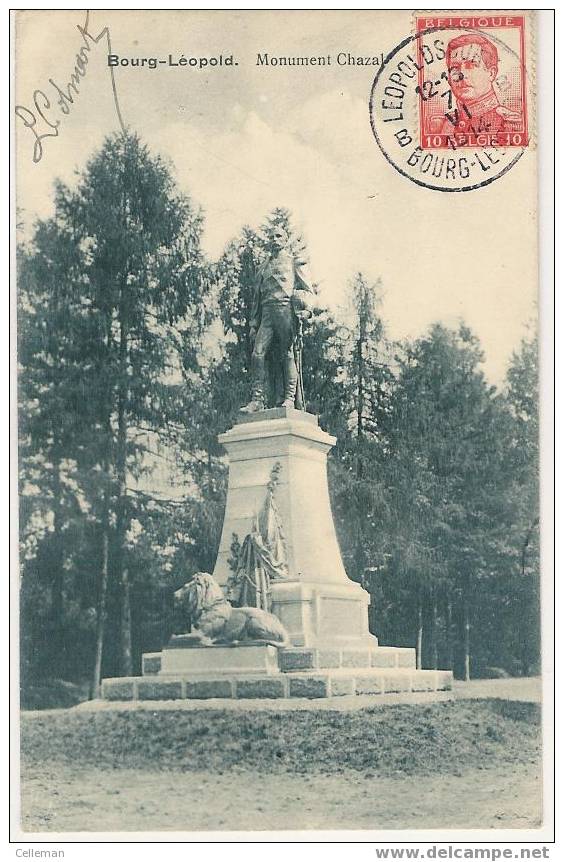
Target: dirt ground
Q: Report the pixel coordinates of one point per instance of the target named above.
(60, 799)
(487, 772)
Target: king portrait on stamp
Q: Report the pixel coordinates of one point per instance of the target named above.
(472, 63)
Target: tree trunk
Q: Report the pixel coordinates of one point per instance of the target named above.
(164, 617)
(360, 405)
(57, 557)
(121, 512)
(419, 645)
(360, 555)
(101, 610)
(434, 645)
(57, 571)
(448, 632)
(361, 514)
(466, 627)
(126, 651)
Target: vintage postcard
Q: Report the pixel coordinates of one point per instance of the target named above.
(276, 281)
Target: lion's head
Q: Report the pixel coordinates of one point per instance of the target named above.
(199, 594)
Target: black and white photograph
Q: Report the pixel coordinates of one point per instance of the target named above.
(276, 331)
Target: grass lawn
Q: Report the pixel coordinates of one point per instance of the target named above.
(457, 764)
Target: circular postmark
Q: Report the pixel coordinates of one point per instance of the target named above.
(448, 107)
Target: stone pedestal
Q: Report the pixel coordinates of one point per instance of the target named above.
(318, 604)
(323, 615)
(212, 661)
(326, 614)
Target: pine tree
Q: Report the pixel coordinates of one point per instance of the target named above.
(55, 422)
(359, 495)
(522, 466)
(139, 284)
(446, 483)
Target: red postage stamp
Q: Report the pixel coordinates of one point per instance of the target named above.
(475, 94)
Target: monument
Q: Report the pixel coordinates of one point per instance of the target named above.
(279, 616)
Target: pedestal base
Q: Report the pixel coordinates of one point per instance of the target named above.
(200, 673)
(323, 614)
(211, 661)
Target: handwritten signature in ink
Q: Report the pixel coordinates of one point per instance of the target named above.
(44, 112)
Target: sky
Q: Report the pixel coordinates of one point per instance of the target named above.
(247, 138)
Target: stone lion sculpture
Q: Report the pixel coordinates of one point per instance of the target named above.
(214, 620)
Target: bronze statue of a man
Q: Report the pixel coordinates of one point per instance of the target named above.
(281, 301)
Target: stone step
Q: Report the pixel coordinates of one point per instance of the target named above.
(306, 658)
(319, 684)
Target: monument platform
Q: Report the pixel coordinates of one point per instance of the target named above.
(251, 671)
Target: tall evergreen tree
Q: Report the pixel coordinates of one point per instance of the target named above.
(446, 486)
(522, 468)
(139, 283)
(57, 440)
(359, 495)
(326, 383)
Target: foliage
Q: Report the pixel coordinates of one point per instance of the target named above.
(134, 354)
(451, 548)
(359, 498)
(112, 307)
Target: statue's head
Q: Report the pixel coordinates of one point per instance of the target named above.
(198, 594)
(279, 238)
